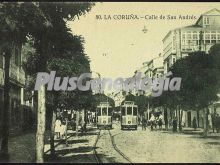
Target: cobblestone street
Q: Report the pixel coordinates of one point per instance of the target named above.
(159, 146)
(139, 146)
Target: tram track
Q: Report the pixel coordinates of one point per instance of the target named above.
(114, 146)
(97, 158)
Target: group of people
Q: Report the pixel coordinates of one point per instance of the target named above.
(213, 122)
(60, 128)
(153, 122)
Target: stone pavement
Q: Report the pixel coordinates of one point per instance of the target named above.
(168, 147)
(79, 149)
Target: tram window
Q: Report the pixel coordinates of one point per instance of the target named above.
(109, 111)
(129, 110)
(134, 111)
(104, 111)
(123, 111)
(98, 111)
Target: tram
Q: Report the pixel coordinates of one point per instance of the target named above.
(129, 115)
(104, 115)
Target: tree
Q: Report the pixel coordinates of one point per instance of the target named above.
(215, 53)
(46, 40)
(13, 30)
(100, 97)
(129, 97)
(40, 20)
(199, 82)
(71, 62)
(199, 86)
(142, 102)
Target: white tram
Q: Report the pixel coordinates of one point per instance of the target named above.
(104, 115)
(129, 115)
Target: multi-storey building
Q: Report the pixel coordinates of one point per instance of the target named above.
(17, 84)
(152, 69)
(200, 36)
(179, 42)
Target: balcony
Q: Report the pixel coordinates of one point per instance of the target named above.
(16, 74)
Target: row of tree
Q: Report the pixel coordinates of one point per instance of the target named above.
(44, 25)
(200, 85)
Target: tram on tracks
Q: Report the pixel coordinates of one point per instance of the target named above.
(129, 115)
(104, 115)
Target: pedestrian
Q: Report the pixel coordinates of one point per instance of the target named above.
(194, 123)
(63, 130)
(160, 122)
(209, 121)
(57, 128)
(214, 115)
(156, 122)
(217, 122)
(152, 121)
(175, 124)
(144, 122)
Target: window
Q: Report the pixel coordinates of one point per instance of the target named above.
(98, 111)
(213, 36)
(104, 111)
(206, 21)
(183, 36)
(109, 111)
(213, 41)
(134, 111)
(189, 36)
(207, 41)
(123, 111)
(129, 110)
(207, 36)
(195, 36)
(218, 36)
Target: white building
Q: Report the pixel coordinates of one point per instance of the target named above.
(179, 42)
(200, 36)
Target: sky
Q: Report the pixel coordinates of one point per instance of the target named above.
(117, 48)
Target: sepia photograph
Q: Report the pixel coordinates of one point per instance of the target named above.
(109, 82)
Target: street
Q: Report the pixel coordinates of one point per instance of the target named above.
(158, 146)
(89, 82)
(138, 147)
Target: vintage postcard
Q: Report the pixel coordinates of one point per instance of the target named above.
(109, 82)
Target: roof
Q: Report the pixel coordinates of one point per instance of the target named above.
(190, 26)
(184, 27)
(210, 12)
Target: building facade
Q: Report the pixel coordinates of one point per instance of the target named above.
(179, 42)
(17, 110)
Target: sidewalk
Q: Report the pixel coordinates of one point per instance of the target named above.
(191, 131)
(79, 149)
(22, 147)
